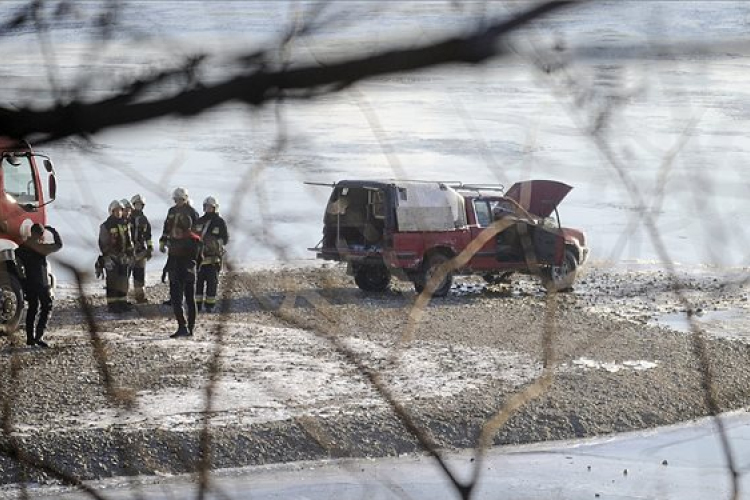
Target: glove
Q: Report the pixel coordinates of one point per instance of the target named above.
(149, 253)
(109, 264)
(99, 267)
(162, 247)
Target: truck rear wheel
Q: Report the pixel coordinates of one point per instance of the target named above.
(429, 268)
(372, 277)
(11, 304)
(561, 278)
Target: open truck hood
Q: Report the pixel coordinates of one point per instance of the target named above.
(538, 197)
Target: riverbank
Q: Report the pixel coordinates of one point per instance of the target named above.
(284, 391)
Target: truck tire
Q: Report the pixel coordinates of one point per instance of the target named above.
(372, 277)
(561, 278)
(11, 304)
(429, 268)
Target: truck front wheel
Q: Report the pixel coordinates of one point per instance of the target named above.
(11, 304)
(372, 277)
(560, 278)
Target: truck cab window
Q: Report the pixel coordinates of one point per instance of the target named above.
(18, 179)
(482, 211)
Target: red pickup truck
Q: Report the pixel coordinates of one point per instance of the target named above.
(411, 229)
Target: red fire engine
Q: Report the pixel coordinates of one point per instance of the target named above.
(22, 204)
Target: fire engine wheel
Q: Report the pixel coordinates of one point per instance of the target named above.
(561, 278)
(429, 269)
(11, 305)
(372, 277)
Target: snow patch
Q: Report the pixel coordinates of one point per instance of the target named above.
(612, 366)
(272, 374)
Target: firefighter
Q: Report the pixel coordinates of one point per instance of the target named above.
(140, 230)
(127, 210)
(214, 236)
(32, 255)
(116, 246)
(184, 255)
(181, 206)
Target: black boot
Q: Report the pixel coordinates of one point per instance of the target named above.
(182, 331)
(30, 339)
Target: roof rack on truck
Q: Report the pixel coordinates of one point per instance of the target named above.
(479, 187)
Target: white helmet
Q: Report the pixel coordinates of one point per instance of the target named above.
(180, 194)
(115, 205)
(212, 202)
(137, 198)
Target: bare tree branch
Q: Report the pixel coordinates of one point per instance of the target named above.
(77, 118)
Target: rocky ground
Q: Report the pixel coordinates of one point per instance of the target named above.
(294, 355)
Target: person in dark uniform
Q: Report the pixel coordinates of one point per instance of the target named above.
(127, 210)
(32, 255)
(213, 232)
(116, 246)
(140, 229)
(182, 207)
(184, 255)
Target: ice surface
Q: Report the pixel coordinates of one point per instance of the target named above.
(501, 122)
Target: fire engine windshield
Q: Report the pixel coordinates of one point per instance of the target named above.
(18, 179)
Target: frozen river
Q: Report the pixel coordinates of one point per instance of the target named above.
(675, 127)
(683, 462)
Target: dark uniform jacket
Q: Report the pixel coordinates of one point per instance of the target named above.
(115, 240)
(169, 222)
(140, 229)
(184, 254)
(213, 232)
(33, 258)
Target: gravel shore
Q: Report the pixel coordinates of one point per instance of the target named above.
(285, 391)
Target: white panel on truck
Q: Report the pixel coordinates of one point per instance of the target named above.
(429, 207)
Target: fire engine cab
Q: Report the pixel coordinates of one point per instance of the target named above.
(22, 204)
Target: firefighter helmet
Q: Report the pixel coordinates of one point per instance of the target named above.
(211, 202)
(115, 205)
(126, 204)
(137, 198)
(180, 194)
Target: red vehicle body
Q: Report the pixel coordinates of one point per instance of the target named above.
(22, 204)
(412, 228)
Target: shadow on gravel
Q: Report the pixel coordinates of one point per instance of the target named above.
(69, 313)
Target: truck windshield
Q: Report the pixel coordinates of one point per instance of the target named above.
(18, 180)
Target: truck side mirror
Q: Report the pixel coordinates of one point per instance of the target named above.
(48, 166)
(52, 184)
